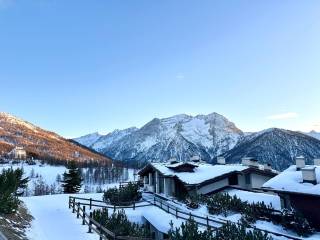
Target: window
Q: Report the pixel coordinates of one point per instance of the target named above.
(248, 178)
(233, 179)
(146, 179)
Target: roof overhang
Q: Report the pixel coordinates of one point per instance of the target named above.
(289, 192)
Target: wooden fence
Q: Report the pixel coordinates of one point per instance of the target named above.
(158, 202)
(79, 208)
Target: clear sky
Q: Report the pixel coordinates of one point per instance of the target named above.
(77, 67)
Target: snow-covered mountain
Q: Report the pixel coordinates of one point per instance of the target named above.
(106, 141)
(278, 147)
(88, 139)
(181, 136)
(40, 143)
(314, 134)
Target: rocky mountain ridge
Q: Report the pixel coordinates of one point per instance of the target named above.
(208, 136)
(40, 143)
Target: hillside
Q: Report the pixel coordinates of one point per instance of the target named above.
(278, 147)
(40, 143)
(181, 136)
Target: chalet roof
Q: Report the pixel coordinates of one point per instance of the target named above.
(291, 181)
(203, 172)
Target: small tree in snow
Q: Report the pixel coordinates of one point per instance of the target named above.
(72, 179)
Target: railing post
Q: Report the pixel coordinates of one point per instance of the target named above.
(90, 203)
(100, 228)
(69, 202)
(176, 212)
(73, 205)
(105, 211)
(134, 205)
(78, 209)
(190, 214)
(90, 223)
(83, 215)
(114, 208)
(207, 221)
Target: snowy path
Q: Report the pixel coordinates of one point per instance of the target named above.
(53, 219)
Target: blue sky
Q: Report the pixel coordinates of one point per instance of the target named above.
(76, 67)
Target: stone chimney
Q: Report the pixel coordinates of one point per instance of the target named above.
(300, 162)
(173, 160)
(267, 167)
(309, 175)
(250, 162)
(316, 162)
(195, 159)
(221, 160)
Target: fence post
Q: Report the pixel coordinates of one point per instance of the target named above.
(90, 203)
(90, 223)
(105, 211)
(190, 214)
(69, 202)
(207, 221)
(176, 212)
(83, 215)
(73, 205)
(134, 205)
(100, 228)
(78, 209)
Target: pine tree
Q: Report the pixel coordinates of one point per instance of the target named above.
(72, 179)
(12, 185)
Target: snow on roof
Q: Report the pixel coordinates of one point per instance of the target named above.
(178, 164)
(153, 215)
(202, 173)
(291, 180)
(255, 197)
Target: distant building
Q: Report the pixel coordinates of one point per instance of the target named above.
(177, 179)
(299, 188)
(76, 154)
(18, 153)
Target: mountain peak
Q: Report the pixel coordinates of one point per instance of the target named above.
(180, 136)
(17, 121)
(314, 134)
(276, 146)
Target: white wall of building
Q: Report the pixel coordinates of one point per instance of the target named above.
(213, 186)
(258, 180)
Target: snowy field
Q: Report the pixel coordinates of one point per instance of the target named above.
(49, 173)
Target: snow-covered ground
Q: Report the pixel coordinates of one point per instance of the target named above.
(49, 173)
(53, 220)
